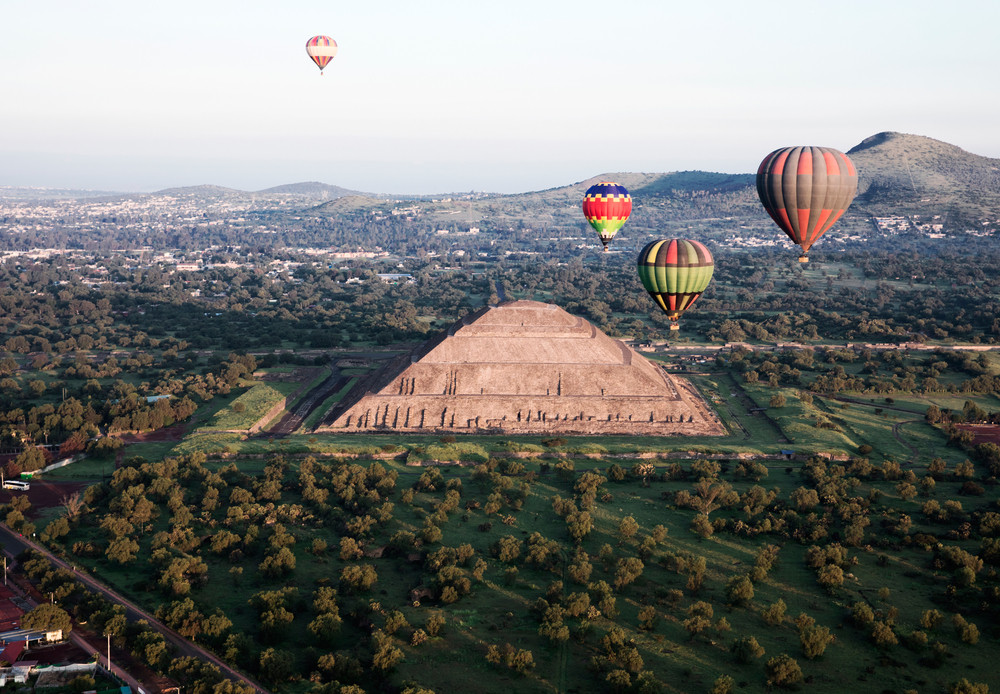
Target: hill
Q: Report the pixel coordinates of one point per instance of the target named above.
(916, 174)
(31, 193)
(311, 189)
(899, 174)
(202, 191)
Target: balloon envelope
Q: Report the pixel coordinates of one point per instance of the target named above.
(607, 207)
(675, 272)
(322, 50)
(806, 190)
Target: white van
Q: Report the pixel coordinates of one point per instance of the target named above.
(19, 485)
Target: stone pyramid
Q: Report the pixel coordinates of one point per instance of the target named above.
(524, 367)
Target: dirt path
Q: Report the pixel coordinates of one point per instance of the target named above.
(914, 451)
(868, 403)
(313, 399)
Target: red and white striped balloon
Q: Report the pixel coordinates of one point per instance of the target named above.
(322, 50)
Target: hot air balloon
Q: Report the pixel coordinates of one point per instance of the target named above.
(321, 49)
(607, 206)
(675, 273)
(806, 190)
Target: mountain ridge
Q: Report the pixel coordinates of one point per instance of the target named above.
(898, 173)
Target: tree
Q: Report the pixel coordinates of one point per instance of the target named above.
(274, 623)
(746, 649)
(580, 568)
(627, 527)
(783, 671)
(325, 627)
(739, 591)
(964, 686)
(814, 640)
(648, 617)
(31, 459)
(629, 569)
(702, 526)
(883, 635)
(930, 619)
(276, 666)
(619, 680)
(55, 529)
(699, 618)
(967, 631)
(48, 617)
(579, 525)
(522, 660)
(434, 624)
(349, 549)
(216, 624)
(804, 499)
(122, 550)
(358, 578)
(182, 616)
(387, 655)
(724, 684)
(508, 548)
(830, 576)
(278, 564)
(620, 652)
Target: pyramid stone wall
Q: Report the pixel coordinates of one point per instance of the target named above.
(524, 367)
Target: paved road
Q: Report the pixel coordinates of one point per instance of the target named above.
(14, 544)
(78, 640)
(879, 347)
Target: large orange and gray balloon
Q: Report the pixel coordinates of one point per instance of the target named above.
(322, 50)
(806, 190)
(675, 272)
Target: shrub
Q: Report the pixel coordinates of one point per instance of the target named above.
(746, 649)
(783, 671)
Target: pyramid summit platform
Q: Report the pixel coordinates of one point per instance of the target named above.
(524, 367)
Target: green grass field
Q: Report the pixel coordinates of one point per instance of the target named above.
(499, 610)
(897, 573)
(254, 403)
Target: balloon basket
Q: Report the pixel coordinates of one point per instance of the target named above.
(674, 326)
(803, 259)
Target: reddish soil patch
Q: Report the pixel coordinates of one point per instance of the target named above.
(174, 432)
(43, 494)
(982, 433)
(58, 654)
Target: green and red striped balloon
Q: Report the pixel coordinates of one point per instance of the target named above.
(675, 272)
(806, 190)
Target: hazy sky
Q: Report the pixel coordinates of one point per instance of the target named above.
(447, 95)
